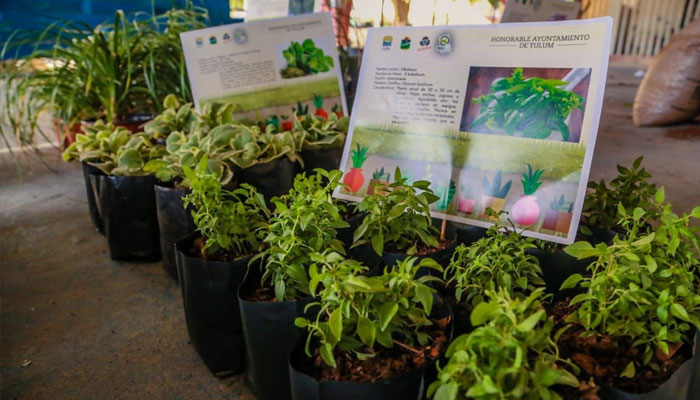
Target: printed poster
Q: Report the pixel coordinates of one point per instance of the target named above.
(267, 68)
(495, 116)
(540, 10)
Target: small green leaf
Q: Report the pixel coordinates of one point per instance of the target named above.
(581, 250)
(530, 322)
(679, 311)
(366, 331)
(327, 355)
(629, 371)
(378, 243)
(386, 313)
(660, 195)
(482, 313)
(425, 296)
(335, 323)
(571, 281)
(447, 391)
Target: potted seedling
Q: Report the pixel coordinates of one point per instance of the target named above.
(126, 201)
(301, 110)
(494, 194)
(499, 260)
(398, 225)
(87, 149)
(276, 289)
(354, 179)
(190, 136)
(509, 355)
(636, 315)
(379, 182)
(373, 337)
(287, 124)
(551, 217)
(213, 262)
(337, 110)
(631, 188)
(526, 211)
(446, 195)
(318, 103)
(322, 141)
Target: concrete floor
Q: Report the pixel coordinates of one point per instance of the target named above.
(76, 325)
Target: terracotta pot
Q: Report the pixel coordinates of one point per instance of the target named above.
(550, 220)
(563, 222)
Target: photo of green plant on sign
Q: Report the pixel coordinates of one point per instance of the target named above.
(305, 59)
(535, 103)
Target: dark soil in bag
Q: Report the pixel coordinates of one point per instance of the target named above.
(274, 178)
(394, 374)
(328, 159)
(605, 357)
(468, 234)
(209, 295)
(345, 235)
(92, 189)
(128, 205)
(269, 331)
(174, 222)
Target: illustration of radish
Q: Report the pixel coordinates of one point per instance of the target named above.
(287, 125)
(318, 103)
(354, 179)
(526, 211)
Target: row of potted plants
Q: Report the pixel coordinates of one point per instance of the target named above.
(119, 71)
(149, 165)
(627, 313)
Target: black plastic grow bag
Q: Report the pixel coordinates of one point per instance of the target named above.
(128, 206)
(174, 223)
(682, 385)
(209, 296)
(328, 159)
(410, 385)
(442, 256)
(274, 178)
(269, 333)
(92, 190)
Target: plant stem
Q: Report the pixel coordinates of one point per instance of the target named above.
(407, 347)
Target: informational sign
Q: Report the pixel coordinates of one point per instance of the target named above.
(495, 116)
(540, 10)
(267, 68)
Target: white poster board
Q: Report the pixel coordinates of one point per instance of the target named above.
(540, 10)
(266, 68)
(495, 116)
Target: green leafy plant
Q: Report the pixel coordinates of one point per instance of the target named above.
(533, 107)
(400, 219)
(230, 222)
(115, 151)
(498, 261)
(116, 69)
(631, 188)
(495, 189)
(359, 315)
(560, 204)
(381, 175)
(305, 59)
(531, 181)
(304, 222)
(510, 355)
(315, 133)
(642, 288)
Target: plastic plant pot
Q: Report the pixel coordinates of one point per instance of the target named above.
(174, 223)
(128, 211)
(209, 296)
(92, 191)
(271, 179)
(409, 385)
(269, 333)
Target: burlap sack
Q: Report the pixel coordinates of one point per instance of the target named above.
(670, 91)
